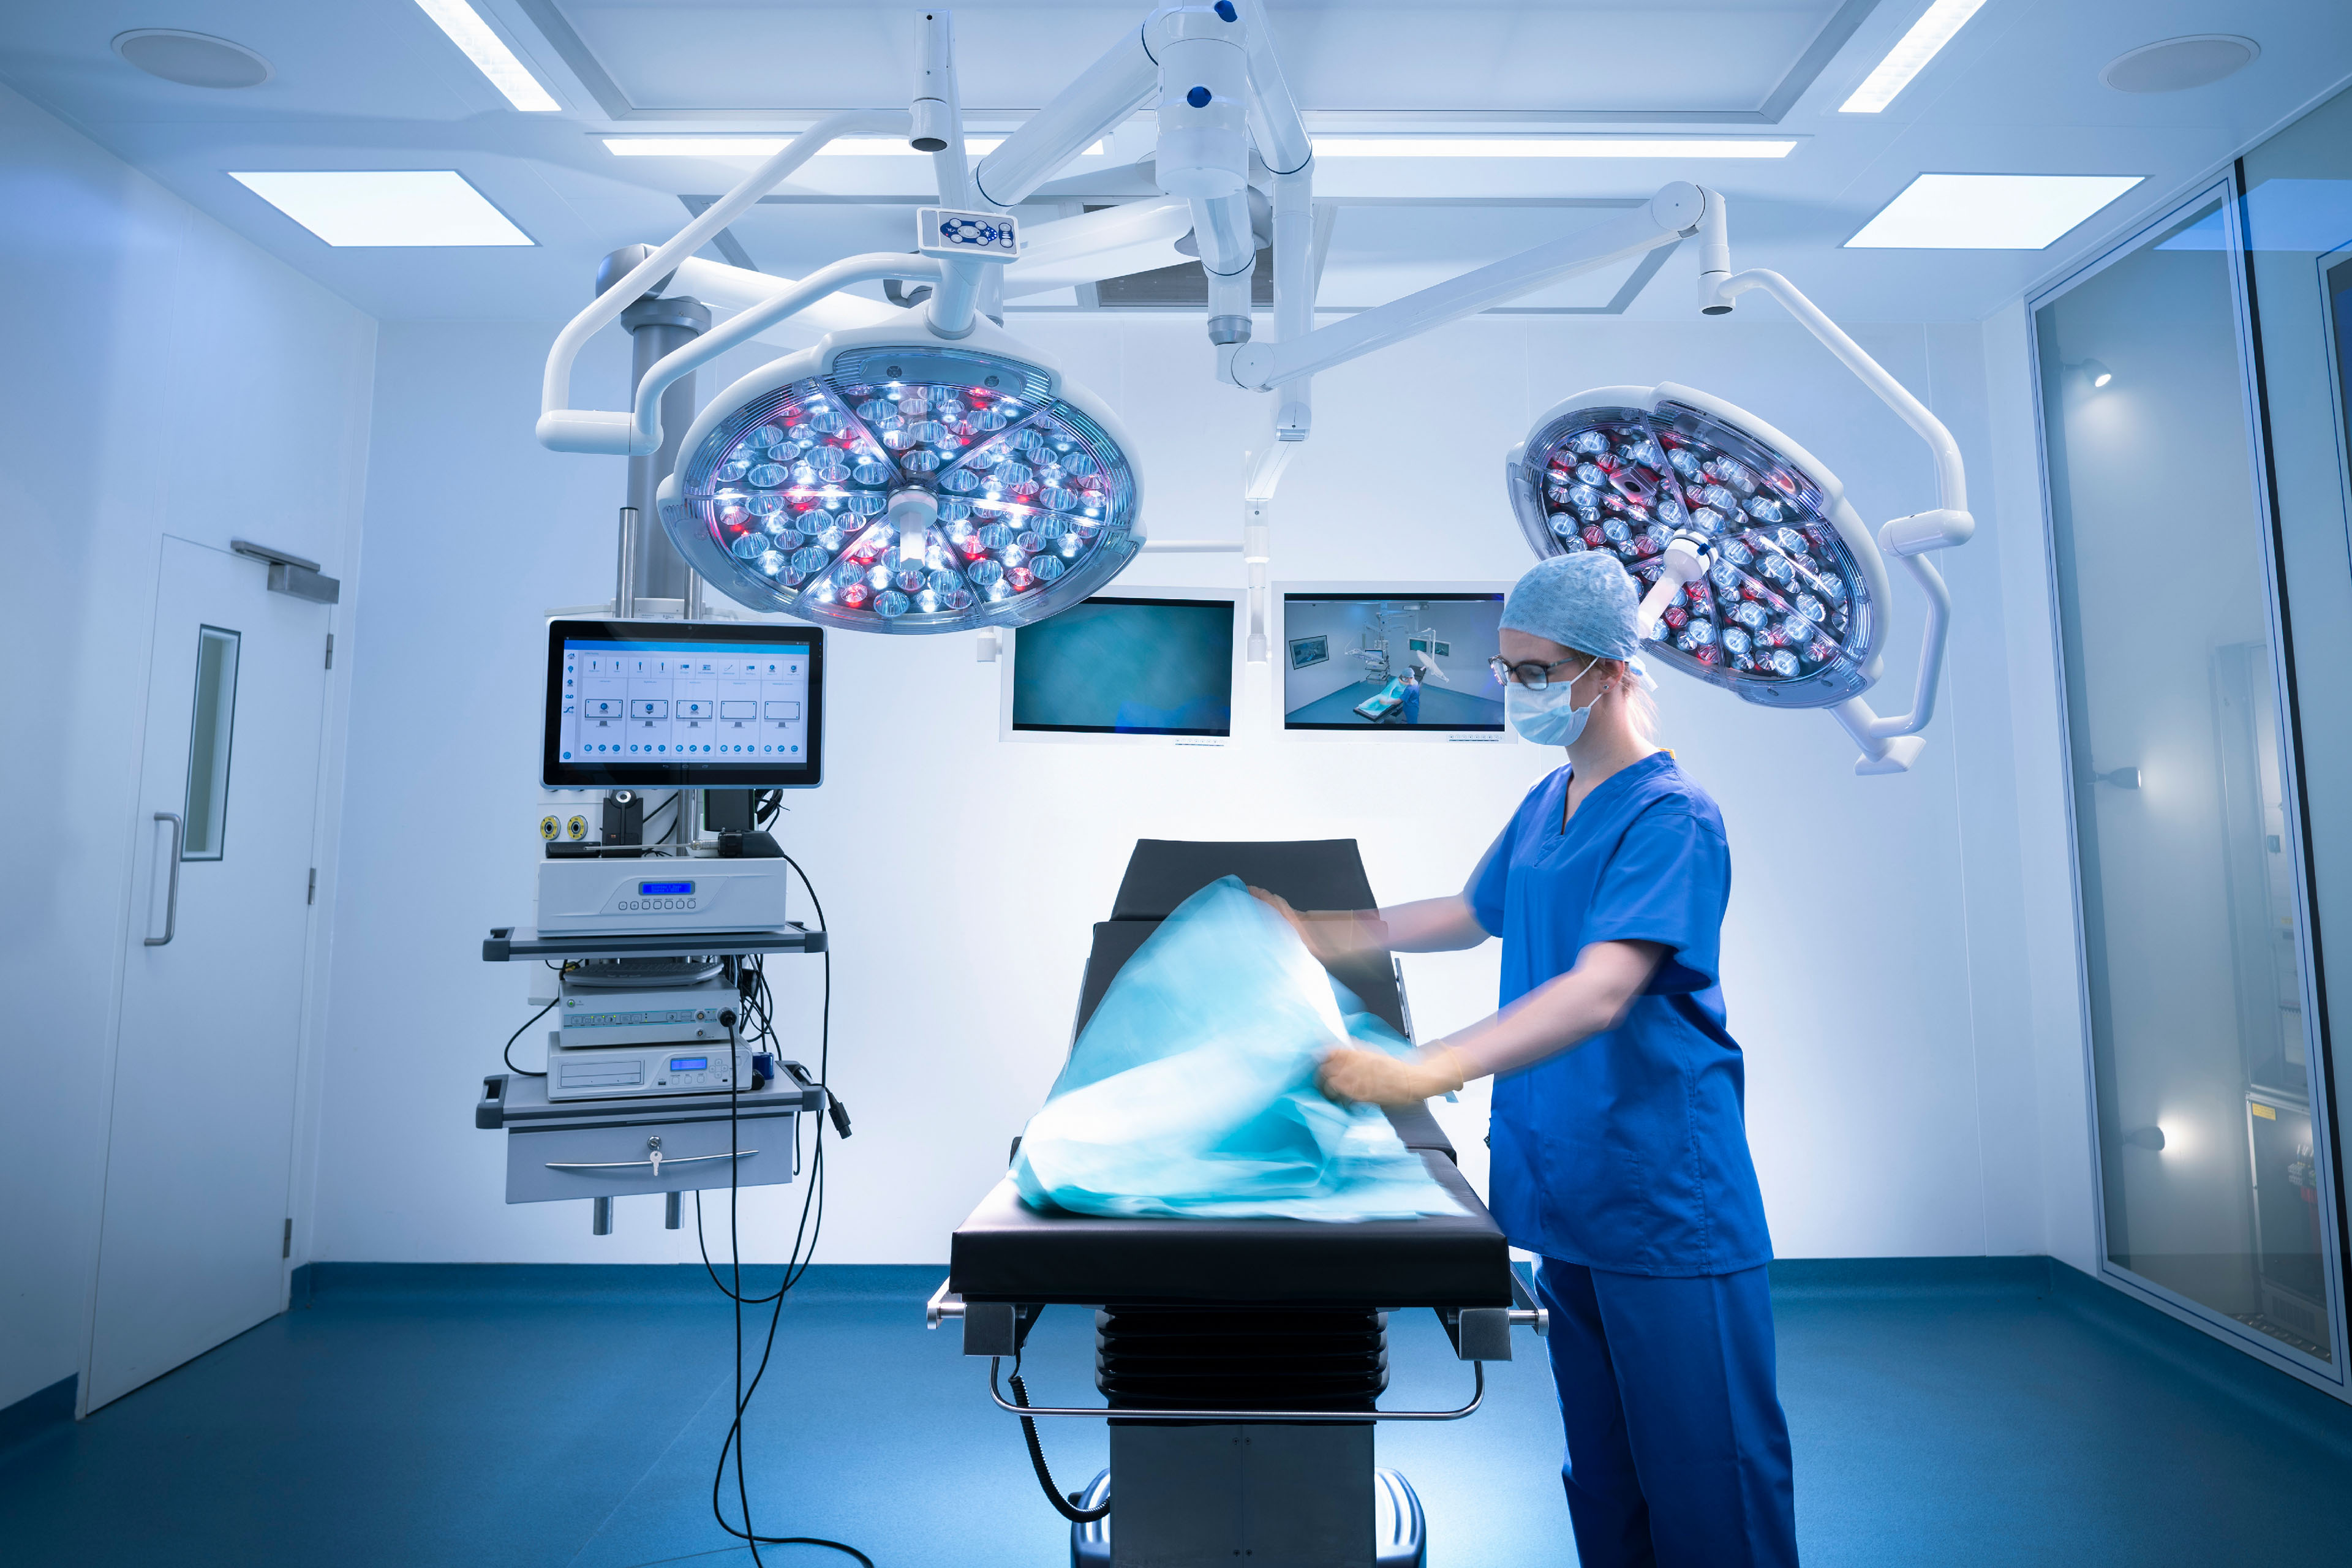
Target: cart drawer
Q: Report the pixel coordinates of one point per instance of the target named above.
(617, 1161)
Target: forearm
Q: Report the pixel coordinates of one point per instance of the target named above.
(1432, 925)
(1557, 1015)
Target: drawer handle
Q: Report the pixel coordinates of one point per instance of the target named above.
(657, 1161)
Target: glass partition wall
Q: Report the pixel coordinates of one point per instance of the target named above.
(2193, 846)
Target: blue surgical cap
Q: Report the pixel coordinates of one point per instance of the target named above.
(1585, 601)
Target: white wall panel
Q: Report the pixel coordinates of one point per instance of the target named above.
(1875, 959)
(166, 377)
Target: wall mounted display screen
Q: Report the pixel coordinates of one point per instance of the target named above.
(706, 704)
(1389, 661)
(1114, 666)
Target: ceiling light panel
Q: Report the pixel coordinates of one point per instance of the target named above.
(385, 206)
(1989, 212)
(1330, 146)
(490, 54)
(1910, 55)
(692, 146)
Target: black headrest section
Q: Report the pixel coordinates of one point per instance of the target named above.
(1312, 873)
(1114, 943)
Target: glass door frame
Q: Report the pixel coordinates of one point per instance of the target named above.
(2328, 1375)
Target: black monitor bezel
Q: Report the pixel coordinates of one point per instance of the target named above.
(1233, 704)
(556, 773)
(1313, 597)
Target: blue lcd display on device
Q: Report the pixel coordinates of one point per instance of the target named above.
(689, 1063)
(664, 889)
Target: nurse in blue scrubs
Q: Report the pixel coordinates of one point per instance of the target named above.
(1620, 1148)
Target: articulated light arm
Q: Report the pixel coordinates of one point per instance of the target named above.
(644, 430)
(1281, 135)
(1133, 238)
(1888, 742)
(1105, 94)
(1258, 527)
(566, 429)
(1669, 217)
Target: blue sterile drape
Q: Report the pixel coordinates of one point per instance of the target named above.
(1191, 1091)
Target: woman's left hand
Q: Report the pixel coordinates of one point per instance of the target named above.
(1375, 1078)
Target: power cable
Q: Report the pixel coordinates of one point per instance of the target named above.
(758, 1010)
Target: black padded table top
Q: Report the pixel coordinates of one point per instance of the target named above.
(1311, 874)
(1008, 1251)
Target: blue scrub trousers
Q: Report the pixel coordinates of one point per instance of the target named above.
(1677, 1450)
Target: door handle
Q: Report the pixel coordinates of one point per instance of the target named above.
(172, 900)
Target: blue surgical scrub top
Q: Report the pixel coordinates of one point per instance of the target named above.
(1630, 1151)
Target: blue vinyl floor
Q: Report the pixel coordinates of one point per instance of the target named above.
(1955, 1412)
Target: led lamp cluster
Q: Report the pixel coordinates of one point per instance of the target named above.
(1785, 613)
(904, 488)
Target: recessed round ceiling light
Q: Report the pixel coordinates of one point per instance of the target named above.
(2175, 64)
(191, 59)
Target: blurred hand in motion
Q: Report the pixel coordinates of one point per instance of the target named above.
(1375, 1078)
(1330, 935)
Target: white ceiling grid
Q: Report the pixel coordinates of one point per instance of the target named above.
(373, 84)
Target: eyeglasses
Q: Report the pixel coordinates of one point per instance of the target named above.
(1533, 675)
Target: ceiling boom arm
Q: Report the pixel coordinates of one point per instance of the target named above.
(1666, 219)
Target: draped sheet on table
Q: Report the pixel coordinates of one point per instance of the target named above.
(1192, 1094)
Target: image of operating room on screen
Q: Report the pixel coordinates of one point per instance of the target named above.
(1127, 667)
(1387, 662)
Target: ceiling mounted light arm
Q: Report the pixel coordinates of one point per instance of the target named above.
(731, 289)
(1666, 219)
(643, 432)
(1888, 742)
(1266, 467)
(1229, 255)
(936, 117)
(1136, 238)
(565, 429)
(1294, 293)
(1281, 135)
(1206, 104)
(1104, 95)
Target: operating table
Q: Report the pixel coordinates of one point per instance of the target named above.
(1241, 1359)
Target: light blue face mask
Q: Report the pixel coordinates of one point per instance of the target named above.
(1545, 718)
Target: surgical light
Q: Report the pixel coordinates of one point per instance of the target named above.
(490, 54)
(883, 482)
(1923, 42)
(1787, 613)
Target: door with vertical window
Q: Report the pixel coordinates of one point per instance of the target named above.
(195, 1220)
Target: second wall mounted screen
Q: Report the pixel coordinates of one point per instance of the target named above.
(1385, 662)
(1127, 666)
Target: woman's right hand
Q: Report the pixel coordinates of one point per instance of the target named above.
(1330, 937)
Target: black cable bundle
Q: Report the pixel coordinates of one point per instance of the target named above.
(758, 1013)
(1067, 1507)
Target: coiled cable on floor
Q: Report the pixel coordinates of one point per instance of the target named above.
(1067, 1507)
